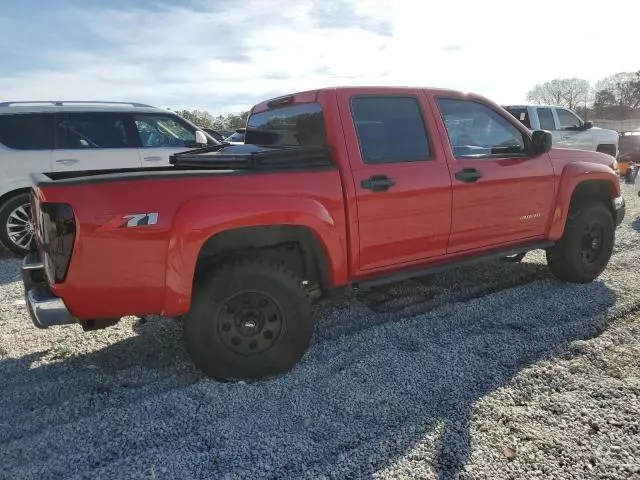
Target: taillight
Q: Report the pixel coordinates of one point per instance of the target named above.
(57, 233)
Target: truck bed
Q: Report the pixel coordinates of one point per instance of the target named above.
(215, 160)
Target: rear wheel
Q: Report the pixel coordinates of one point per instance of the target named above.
(585, 248)
(249, 319)
(16, 229)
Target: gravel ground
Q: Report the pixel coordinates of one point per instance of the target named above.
(492, 372)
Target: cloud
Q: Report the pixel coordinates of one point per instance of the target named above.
(218, 56)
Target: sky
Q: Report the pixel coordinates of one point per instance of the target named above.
(225, 56)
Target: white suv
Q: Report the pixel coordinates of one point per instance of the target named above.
(68, 136)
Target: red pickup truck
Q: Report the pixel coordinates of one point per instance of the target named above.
(334, 188)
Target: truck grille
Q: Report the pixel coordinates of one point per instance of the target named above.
(55, 235)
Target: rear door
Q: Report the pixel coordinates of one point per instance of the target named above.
(400, 175)
(501, 195)
(93, 141)
(161, 135)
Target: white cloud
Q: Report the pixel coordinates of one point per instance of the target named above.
(226, 57)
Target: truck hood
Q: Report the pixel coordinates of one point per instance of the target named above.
(603, 134)
(561, 156)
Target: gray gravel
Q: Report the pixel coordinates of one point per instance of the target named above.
(491, 372)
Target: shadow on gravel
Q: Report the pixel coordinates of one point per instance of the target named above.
(399, 397)
(9, 268)
(636, 224)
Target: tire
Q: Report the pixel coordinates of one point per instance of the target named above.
(15, 211)
(580, 256)
(515, 258)
(250, 319)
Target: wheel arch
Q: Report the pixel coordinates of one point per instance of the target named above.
(582, 181)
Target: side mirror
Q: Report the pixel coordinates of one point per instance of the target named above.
(201, 138)
(587, 125)
(541, 142)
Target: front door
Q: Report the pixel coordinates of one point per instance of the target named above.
(93, 141)
(401, 179)
(501, 195)
(160, 136)
(569, 127)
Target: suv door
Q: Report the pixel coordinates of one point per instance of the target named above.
(160, 135)
(501, 195)
(401, 179)
(572, 137)
(93, 141)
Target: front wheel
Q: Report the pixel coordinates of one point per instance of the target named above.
(16, 229)
(249, 319)
(585, 248)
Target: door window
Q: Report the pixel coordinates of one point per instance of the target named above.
(476, 130)
(27, 131)
(390, 129)
(78, 131)
(545, 116)
(164, 131)
(567, 119)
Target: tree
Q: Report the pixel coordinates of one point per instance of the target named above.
(618, 95)
(566, 92)
(203, 119)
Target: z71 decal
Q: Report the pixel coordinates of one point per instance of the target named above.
(140, 219)
(129, 221)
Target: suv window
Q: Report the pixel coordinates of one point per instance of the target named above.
(567, 119)
(477, 130)
(92, 130)
(390, 129)
(296, 125)
(27, 131)
(158, 130)
(522, 114)
(545, 116)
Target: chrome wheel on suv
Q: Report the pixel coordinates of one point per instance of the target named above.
(16, 229)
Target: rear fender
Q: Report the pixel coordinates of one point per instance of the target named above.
(198, 220)
(572, 176)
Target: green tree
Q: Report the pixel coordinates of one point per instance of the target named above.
(618, 96)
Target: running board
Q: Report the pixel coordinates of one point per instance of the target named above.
(441, 266)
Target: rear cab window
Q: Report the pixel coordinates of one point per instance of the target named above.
(521, 114)
(287, 126)
(27, 131)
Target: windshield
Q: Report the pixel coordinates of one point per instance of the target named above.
(297, 125)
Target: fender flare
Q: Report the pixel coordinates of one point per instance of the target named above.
(196, 221)
(573, 175)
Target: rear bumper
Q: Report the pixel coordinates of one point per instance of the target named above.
(45, 308)
(619, 207)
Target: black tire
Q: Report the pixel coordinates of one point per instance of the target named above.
(585, 248)
(515, 258)
(241, 302)
(7, 211)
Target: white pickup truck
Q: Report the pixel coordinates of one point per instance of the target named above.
(567, 128)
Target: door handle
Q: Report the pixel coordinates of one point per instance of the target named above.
(469, 175)
(152, 159)
(67, 161)
(378, 183)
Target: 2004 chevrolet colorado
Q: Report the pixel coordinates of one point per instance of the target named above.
(333, 188)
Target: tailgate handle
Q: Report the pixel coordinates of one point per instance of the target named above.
(378, 183)
(152, 159)
(469, 175)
